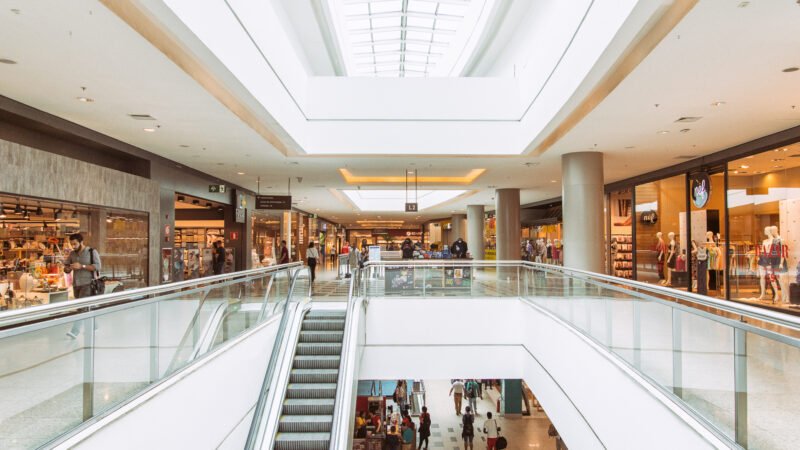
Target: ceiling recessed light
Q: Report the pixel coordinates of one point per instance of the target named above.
(744, 166)
(663, 132)
(777, 167)
(735, 171)
(149, 130)
(750, 157)
(554, 181)
(85, 99)
(410, 172)
(239, 173)
(7, 61)
(791, 69)
(777, 159)
(686, 130)
(717, 103)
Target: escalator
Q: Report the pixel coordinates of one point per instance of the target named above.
(308, 406)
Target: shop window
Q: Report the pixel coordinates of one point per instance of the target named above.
(764, 217)
(620, 208)
(705, 251)
(660, 231)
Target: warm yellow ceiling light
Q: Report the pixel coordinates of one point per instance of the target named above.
(469, 178)
(380, 221)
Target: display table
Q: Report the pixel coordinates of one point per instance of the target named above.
(446, 277)
(39, 297)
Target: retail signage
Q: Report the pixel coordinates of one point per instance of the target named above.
(649, 217)
(281, 202)
(240, 215)
(374, 253)
(411, 207)
(216, 188)
(701, 188)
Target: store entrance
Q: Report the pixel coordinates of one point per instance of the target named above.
(198, 224)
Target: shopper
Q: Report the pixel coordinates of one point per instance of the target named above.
(529, 250)
(471, 389)
(457, 391)
(393, 417)
(361, 425)
(353, 258)
(84, 264)
(468, 429)
(424, 427)
(407, 249)
(284, 254)
(312, 255)
(393, 438)
(492, 430)
(459, 249)
(400, 394)
(218, 258)
(407, 431)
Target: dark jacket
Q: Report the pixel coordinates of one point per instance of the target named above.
(459, 249)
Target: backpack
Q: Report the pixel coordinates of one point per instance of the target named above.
(501, 443)
(472, 392)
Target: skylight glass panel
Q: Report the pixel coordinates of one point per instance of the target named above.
(419, 36)
(386, 22)
(420, 22)
(420, 6)
(387, 48)
(452, 9)
(387, 6)
(356, 8)
(446, 25)
(421, 48)
(417, 58)
(360, 24)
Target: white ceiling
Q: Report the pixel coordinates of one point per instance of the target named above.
(719, 52)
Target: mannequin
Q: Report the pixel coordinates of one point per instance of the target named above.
(672, 250)
(711, 248)
(765, 270)
(660, 253)
(780, 263)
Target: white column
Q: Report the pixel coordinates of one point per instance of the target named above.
(475, 223)
(508, 224)
(582, 201)
(458, 228)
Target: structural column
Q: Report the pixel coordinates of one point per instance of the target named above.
(475, 223)
(286, 235)
(508, 224)
(582, 201)
(458, 228)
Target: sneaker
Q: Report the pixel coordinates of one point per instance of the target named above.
(72, 335)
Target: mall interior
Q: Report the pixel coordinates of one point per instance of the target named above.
(337, 224)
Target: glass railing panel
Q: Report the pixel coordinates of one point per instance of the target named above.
(773, 393)
(706, 360)
(56, 374)
(655, 337)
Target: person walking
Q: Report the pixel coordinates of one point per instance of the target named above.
(468, 428)
(218, 258)
(312, 255)
(424, 427)
(457, 391)
(400, 394)
(407, 249)
(393, 438)
(84, 264)
(492, 430)
(471, 389)
(284, 259)
(353, 258)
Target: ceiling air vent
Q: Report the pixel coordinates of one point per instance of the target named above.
(688, 119)
(685, 157)
(141, 117)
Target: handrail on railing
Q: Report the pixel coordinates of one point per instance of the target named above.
(43, 312)
(255, 435)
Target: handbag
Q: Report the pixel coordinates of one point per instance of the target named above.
(98, 285)
(501, 443)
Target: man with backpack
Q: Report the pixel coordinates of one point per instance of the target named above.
(468, 429)
(84, 264)
(472, 394)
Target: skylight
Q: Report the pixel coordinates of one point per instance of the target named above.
(407, 38)
(395, 200)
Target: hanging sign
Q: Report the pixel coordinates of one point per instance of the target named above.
(411, 207)
(700, 188)
(281, 202)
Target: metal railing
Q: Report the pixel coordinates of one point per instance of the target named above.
(730, 366)
(121, 345)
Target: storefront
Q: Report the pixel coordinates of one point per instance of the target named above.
(542, 225)
(727, 227)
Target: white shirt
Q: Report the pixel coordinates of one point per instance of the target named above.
(458, 387)
(312, 252)
(491, 428)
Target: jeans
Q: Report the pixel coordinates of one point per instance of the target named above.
(80, 292)
(473, 403)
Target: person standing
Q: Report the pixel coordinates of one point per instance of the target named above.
(312, 255)
(472, 395)
(84, 264)
(284, 259)
(457, 391)
(218, 258)
(459, 249)
(468, 429)
(424, 427)
(492, 431)
(353, 258)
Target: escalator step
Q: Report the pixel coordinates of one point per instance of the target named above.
(311, 390)
(305, 424)
(308, 407)
(305, 349)
(314, 376)
(323, 325)
(321, 336)
(316, 362)
(302, 441)
(323, 314)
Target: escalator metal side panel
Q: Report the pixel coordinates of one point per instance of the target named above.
(345, 407)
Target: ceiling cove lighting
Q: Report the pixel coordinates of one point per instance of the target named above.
(394, 200)
(469, 178)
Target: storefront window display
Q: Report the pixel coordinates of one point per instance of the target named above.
(34, 240)
(266, 238)
(620, 204)
(764, 216)
(706, 249)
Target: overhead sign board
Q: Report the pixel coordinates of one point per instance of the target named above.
(411, 207)
(281, 202)
(701, 188)
(216, 188)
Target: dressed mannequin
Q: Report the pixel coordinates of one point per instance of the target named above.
(711, 248)
(765, 270)
(672, 256)
(661, 249)
(780, 263)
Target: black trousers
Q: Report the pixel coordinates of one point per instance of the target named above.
(312, 264)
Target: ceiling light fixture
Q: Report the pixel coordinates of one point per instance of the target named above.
(554, 181)
(181, 198)
(84, 99)
(7, 61)
(744, 166)
(686, 130)
(663, 132)
(791, 69)
(717, 103)
(149, 130)
(239, 173)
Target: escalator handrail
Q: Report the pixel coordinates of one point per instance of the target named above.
(20, 317)
(256, 430)
(340, 427)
